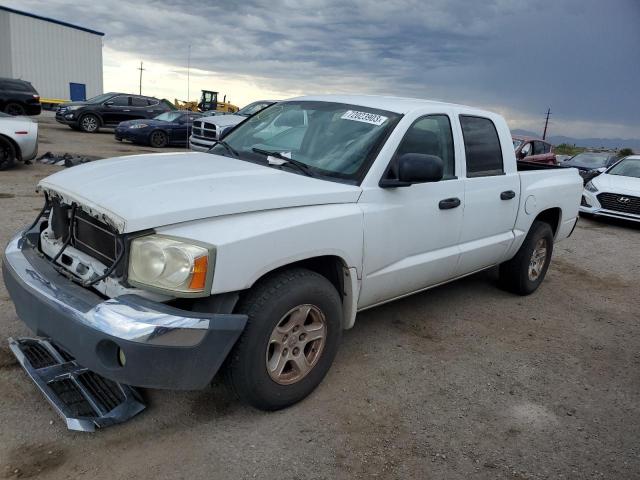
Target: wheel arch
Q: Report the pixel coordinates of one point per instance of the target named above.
(551, 216)
(14, 144)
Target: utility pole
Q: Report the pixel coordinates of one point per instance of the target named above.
(141, 70)
(546, 123)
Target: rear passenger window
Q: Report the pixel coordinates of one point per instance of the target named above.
(431, 135)
(538, 148)
(138, 102)
(481, 146)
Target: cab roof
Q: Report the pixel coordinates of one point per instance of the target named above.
(400, 105)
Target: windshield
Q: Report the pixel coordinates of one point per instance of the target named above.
(100, 98)
(516, 143)
(589, 160)
(169, 116)
(332, 139)
(252, 108)
(628, 167)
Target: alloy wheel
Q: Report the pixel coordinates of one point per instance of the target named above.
(296, 344)
(538, 259)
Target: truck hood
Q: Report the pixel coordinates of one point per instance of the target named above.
(146, 191)
(224, 120)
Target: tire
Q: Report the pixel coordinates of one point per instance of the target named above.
(89, 123)
(524, 273)
(281, 301)
(158, 139)
(13, 108)
(7, 154)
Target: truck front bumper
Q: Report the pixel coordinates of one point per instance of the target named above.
(128, 339)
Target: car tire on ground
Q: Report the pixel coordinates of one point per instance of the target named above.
(7, 154)
(158, 139)
(290, 340)
(524, 273)
(13, 108)
(89, 123)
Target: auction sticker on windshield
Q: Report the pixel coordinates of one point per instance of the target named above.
(372, 118)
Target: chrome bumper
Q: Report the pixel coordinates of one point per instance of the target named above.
(164, 347)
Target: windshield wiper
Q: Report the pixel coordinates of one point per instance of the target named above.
(227, 147)
(301, 166)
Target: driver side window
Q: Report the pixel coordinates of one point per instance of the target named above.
(431, 135)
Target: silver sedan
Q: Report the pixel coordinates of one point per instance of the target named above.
(18, 140)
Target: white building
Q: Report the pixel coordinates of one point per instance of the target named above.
(62, 61)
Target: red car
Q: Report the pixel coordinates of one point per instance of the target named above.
(534, 150)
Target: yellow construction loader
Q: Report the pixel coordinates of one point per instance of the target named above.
(208, 101)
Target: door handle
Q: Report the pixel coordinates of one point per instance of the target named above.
(508, 195)
(448, 203)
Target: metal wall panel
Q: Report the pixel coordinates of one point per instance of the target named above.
(51, 56)
(5, 45)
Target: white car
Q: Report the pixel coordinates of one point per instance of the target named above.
(615, 192)
(157, 270)
(18, 140)
(207, 130)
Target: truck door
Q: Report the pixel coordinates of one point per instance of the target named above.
(491, 197)
(411, 233)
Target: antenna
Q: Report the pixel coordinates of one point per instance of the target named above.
(546, 123)
(188, 69)
(141, 70)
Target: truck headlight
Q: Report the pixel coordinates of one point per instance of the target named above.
(590, 187)
(170, 264)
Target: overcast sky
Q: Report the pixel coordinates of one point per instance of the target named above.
(580, 57)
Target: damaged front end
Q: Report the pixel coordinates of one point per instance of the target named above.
(66, 275)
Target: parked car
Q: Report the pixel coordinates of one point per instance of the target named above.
(19, 97)
(258, 254)
(588, 163)
(616, 192)
(210, 128)
(108, 110)
(531, 149)
(168, 128)
(18, 140)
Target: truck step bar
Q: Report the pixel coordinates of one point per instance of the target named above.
(84, 399)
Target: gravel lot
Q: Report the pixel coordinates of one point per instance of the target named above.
(462, 381)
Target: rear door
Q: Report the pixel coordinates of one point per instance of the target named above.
(491, 197)
(140, 108)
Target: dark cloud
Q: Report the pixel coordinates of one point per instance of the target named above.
(581, 57)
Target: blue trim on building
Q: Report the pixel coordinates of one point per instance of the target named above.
(51, 20)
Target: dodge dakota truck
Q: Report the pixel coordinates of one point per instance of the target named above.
(161, 270)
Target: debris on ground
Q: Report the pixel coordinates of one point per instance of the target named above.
(66, 159)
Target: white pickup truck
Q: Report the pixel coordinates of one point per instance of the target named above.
(159, 270)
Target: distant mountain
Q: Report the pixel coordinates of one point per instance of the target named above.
(634, 144)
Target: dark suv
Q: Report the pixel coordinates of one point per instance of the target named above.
(108, 110)
(18, 97)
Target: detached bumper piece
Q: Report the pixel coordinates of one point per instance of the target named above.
(84, 399)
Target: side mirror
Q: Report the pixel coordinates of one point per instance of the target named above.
(415, 168)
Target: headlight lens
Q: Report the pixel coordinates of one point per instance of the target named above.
(139, 125)
(169, 264)
(590, 187)
(73, 107)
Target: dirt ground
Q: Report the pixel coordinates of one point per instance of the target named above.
(463, 381)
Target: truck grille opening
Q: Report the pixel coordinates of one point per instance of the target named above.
(202, 129)
(37, 354)
(89, 235)
(105, 392)
(620, 203)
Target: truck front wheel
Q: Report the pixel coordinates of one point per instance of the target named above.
(524, 273)
(290, 341)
